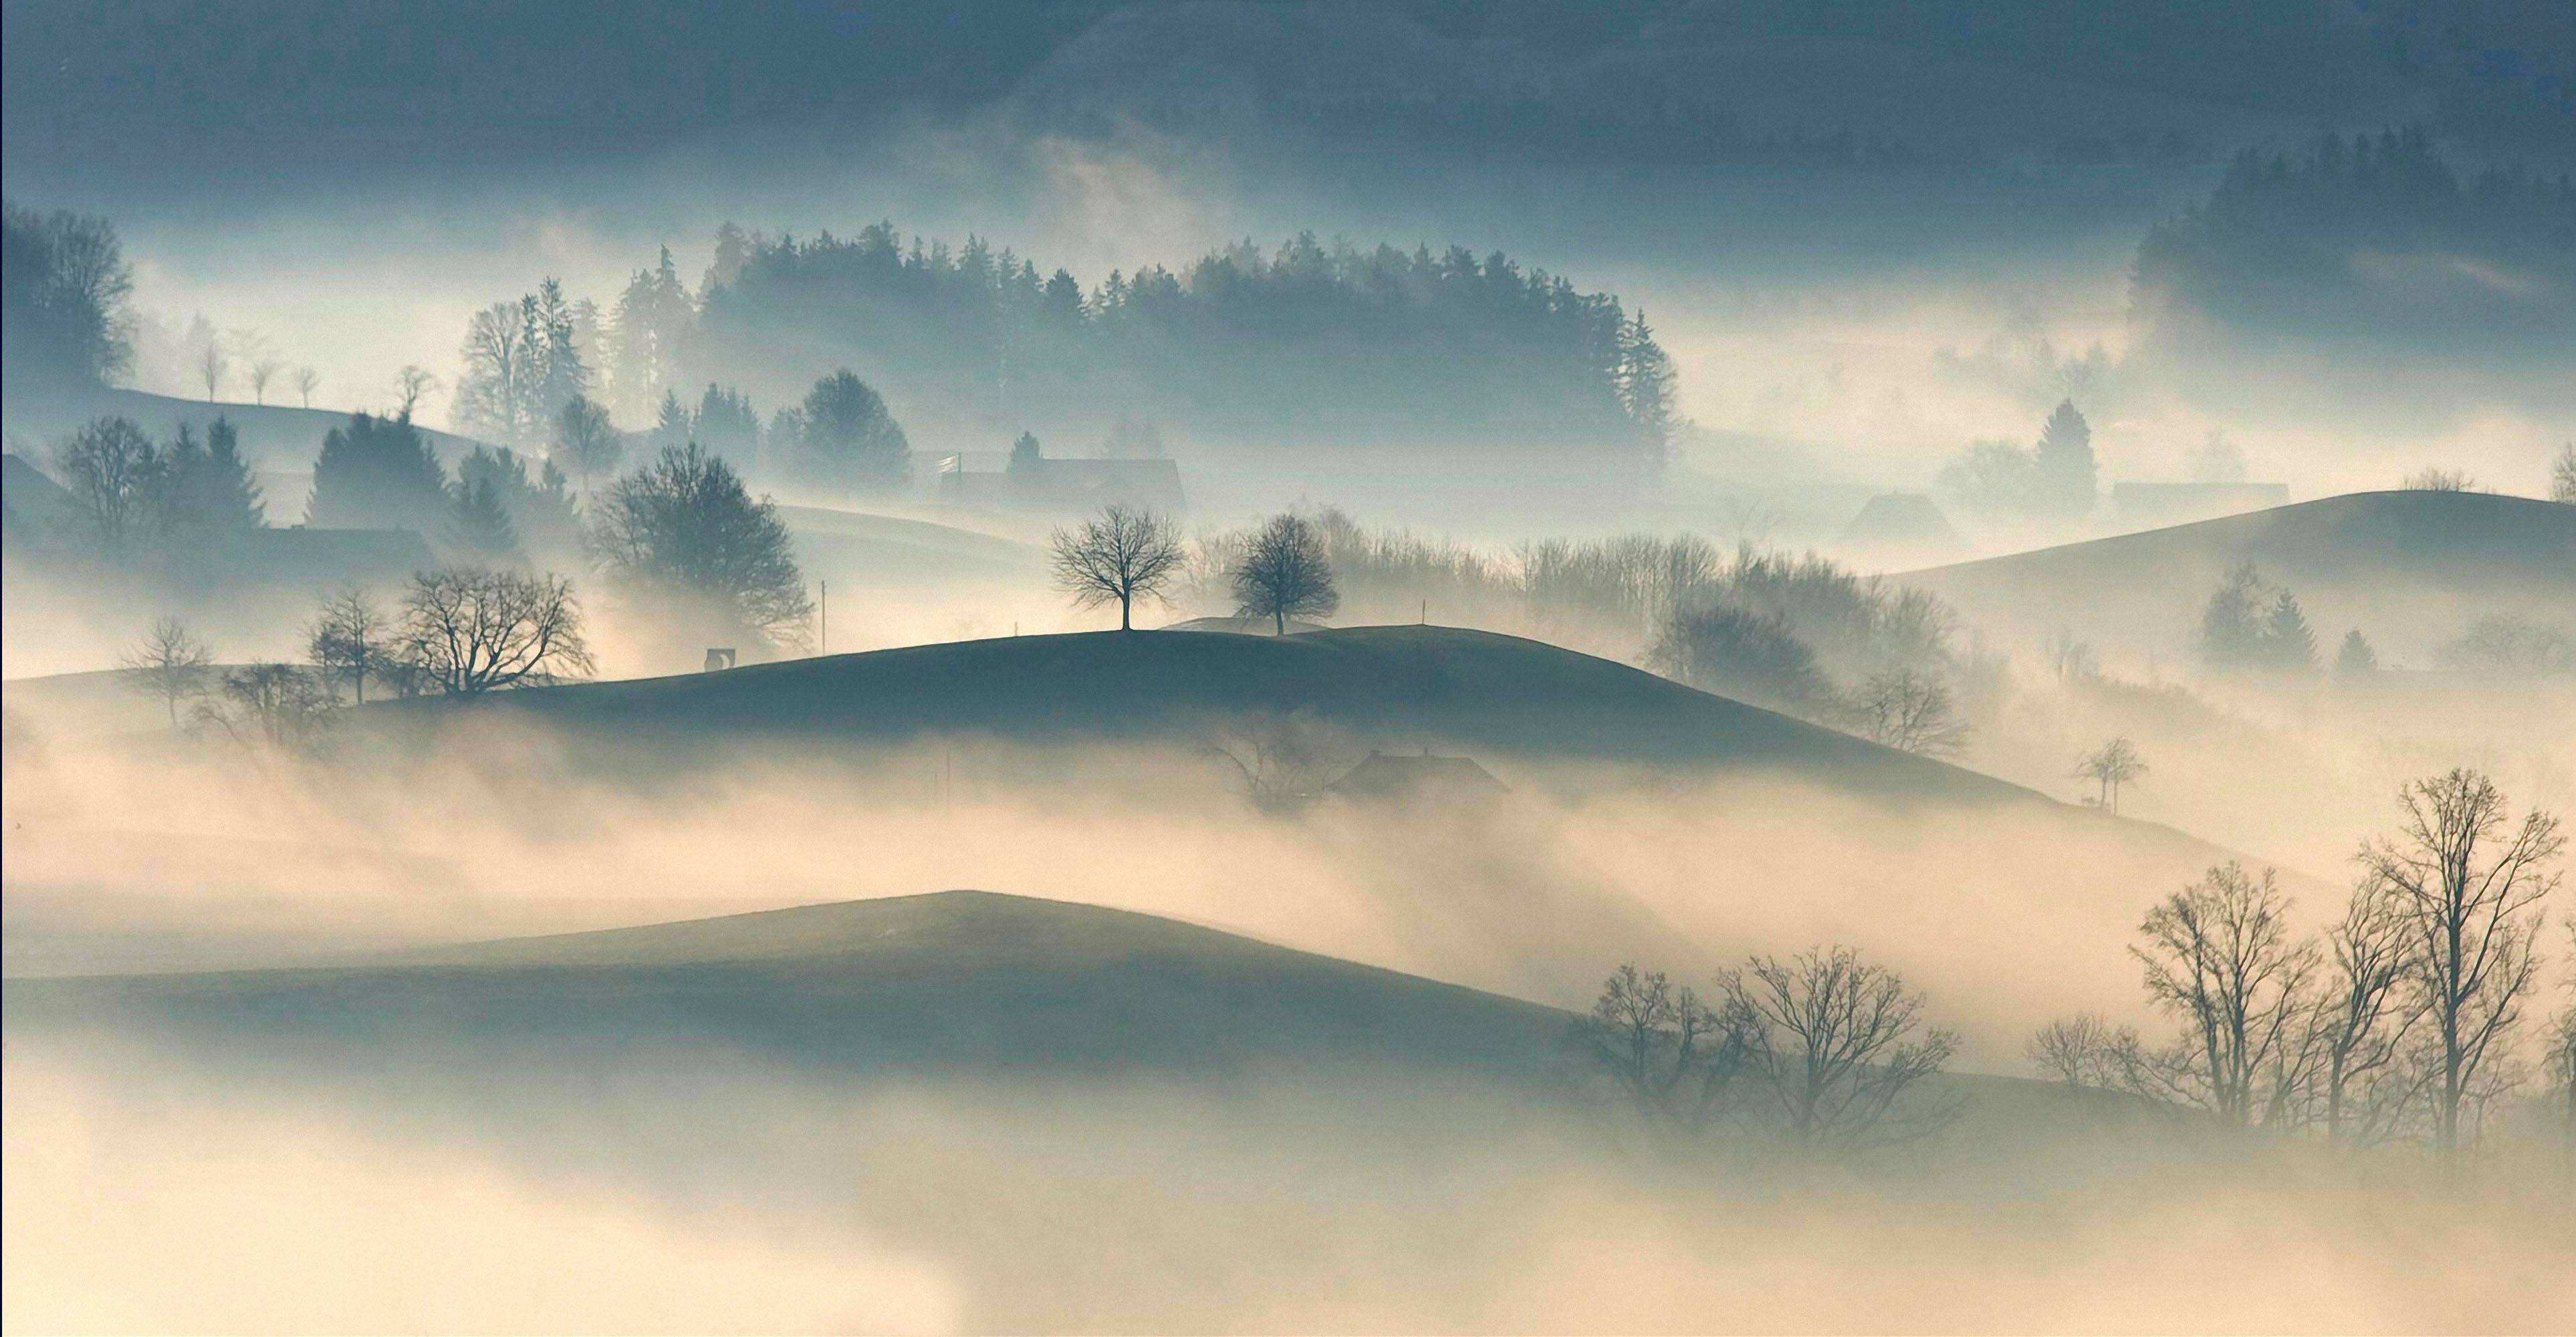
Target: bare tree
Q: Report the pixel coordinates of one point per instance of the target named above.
(273, 705)
(410, 384)
(2110, 766)
(170, 663)
(2219, 957)
(1669, 1054)
(211, 366)
(260, 362)
(1123, 555)
(2562, 474)
(2363, 1017)
(1283, 573)
(116, 473)
(306, 381)
(2469, 883)
(2082, 1053)
(587, 440)
(1284, 760)
(1909, 710)
(1835, 1044)
(350, 639)
(2435, 479)
(2560, 1062)
(470, 631)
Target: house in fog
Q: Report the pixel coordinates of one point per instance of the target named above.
(1030, 481)
(1384, 777)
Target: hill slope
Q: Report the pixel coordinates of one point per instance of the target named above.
(961, 980)
(1458, 690)
(2407, 568)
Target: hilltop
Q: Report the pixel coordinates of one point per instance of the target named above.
(2407, 568)
(959, 981)
(1477, 692)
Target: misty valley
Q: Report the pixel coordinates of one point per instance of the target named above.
(1250, 667)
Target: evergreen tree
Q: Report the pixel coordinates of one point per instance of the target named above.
(540, 512)
(210, 488)
(377, 473)
(1646, 385)
(2355, 659)
(646, 328)
(2289, 644)
(478, 521)
(1024, 453)
(727, 426)
(672, 425)
(2064, 475)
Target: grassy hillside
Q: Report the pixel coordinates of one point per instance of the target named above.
(1476, 692)
(856, 550)
(959, 981)
(2407, 568)
(277, 438)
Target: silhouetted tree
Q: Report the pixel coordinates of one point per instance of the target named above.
(2439, 480)
(1118, 558)
(683, 529)
(1906, 709)
(468, 631)
(2562, 474)
(2468, 882)
(2231, 624)
(1719, 647)
(350, 639)
(210, 490)
(1024, 454)
(2110, 766)
(169, 663)
(1282, 573)
(846, 439)
(477, 521)
(115, 472)
(1834, 1046)
(64, 288)
(586, 441)
(409, 385)
(2064, 476)
(272, 705)
(2220, 957)
(2289, 644)
(2364, 1016)
(1671, 1057)
(377, 473)
(522, 366)
(2354, 658)
(2503, 643)
(307, 380)
(1647, 384)
(727, 425)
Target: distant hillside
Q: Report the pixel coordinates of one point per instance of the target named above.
(1475, 692)
(858, 549)
(275, 438)
(2409, 569)
(960, 982)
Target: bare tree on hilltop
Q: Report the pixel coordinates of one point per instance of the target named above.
(170, 663)
(1118, 558)
(1282, 573)
(470, 631)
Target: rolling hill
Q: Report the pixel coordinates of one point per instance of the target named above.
(959, 981)
(1476, 692)
(2409, 569)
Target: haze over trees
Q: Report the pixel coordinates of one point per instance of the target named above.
(169, 499)
(65, 290)
(1452, 345)
(170, 663)
(522, 366)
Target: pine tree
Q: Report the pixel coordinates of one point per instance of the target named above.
(672, 425)
(1647, 381)
(479, 522)
(2289, 644)
(2064, 474)
(377, 473)
(2355, 659)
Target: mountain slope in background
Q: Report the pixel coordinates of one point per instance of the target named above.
(2409, 569)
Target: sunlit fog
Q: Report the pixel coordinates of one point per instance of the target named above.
(1258, 667)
